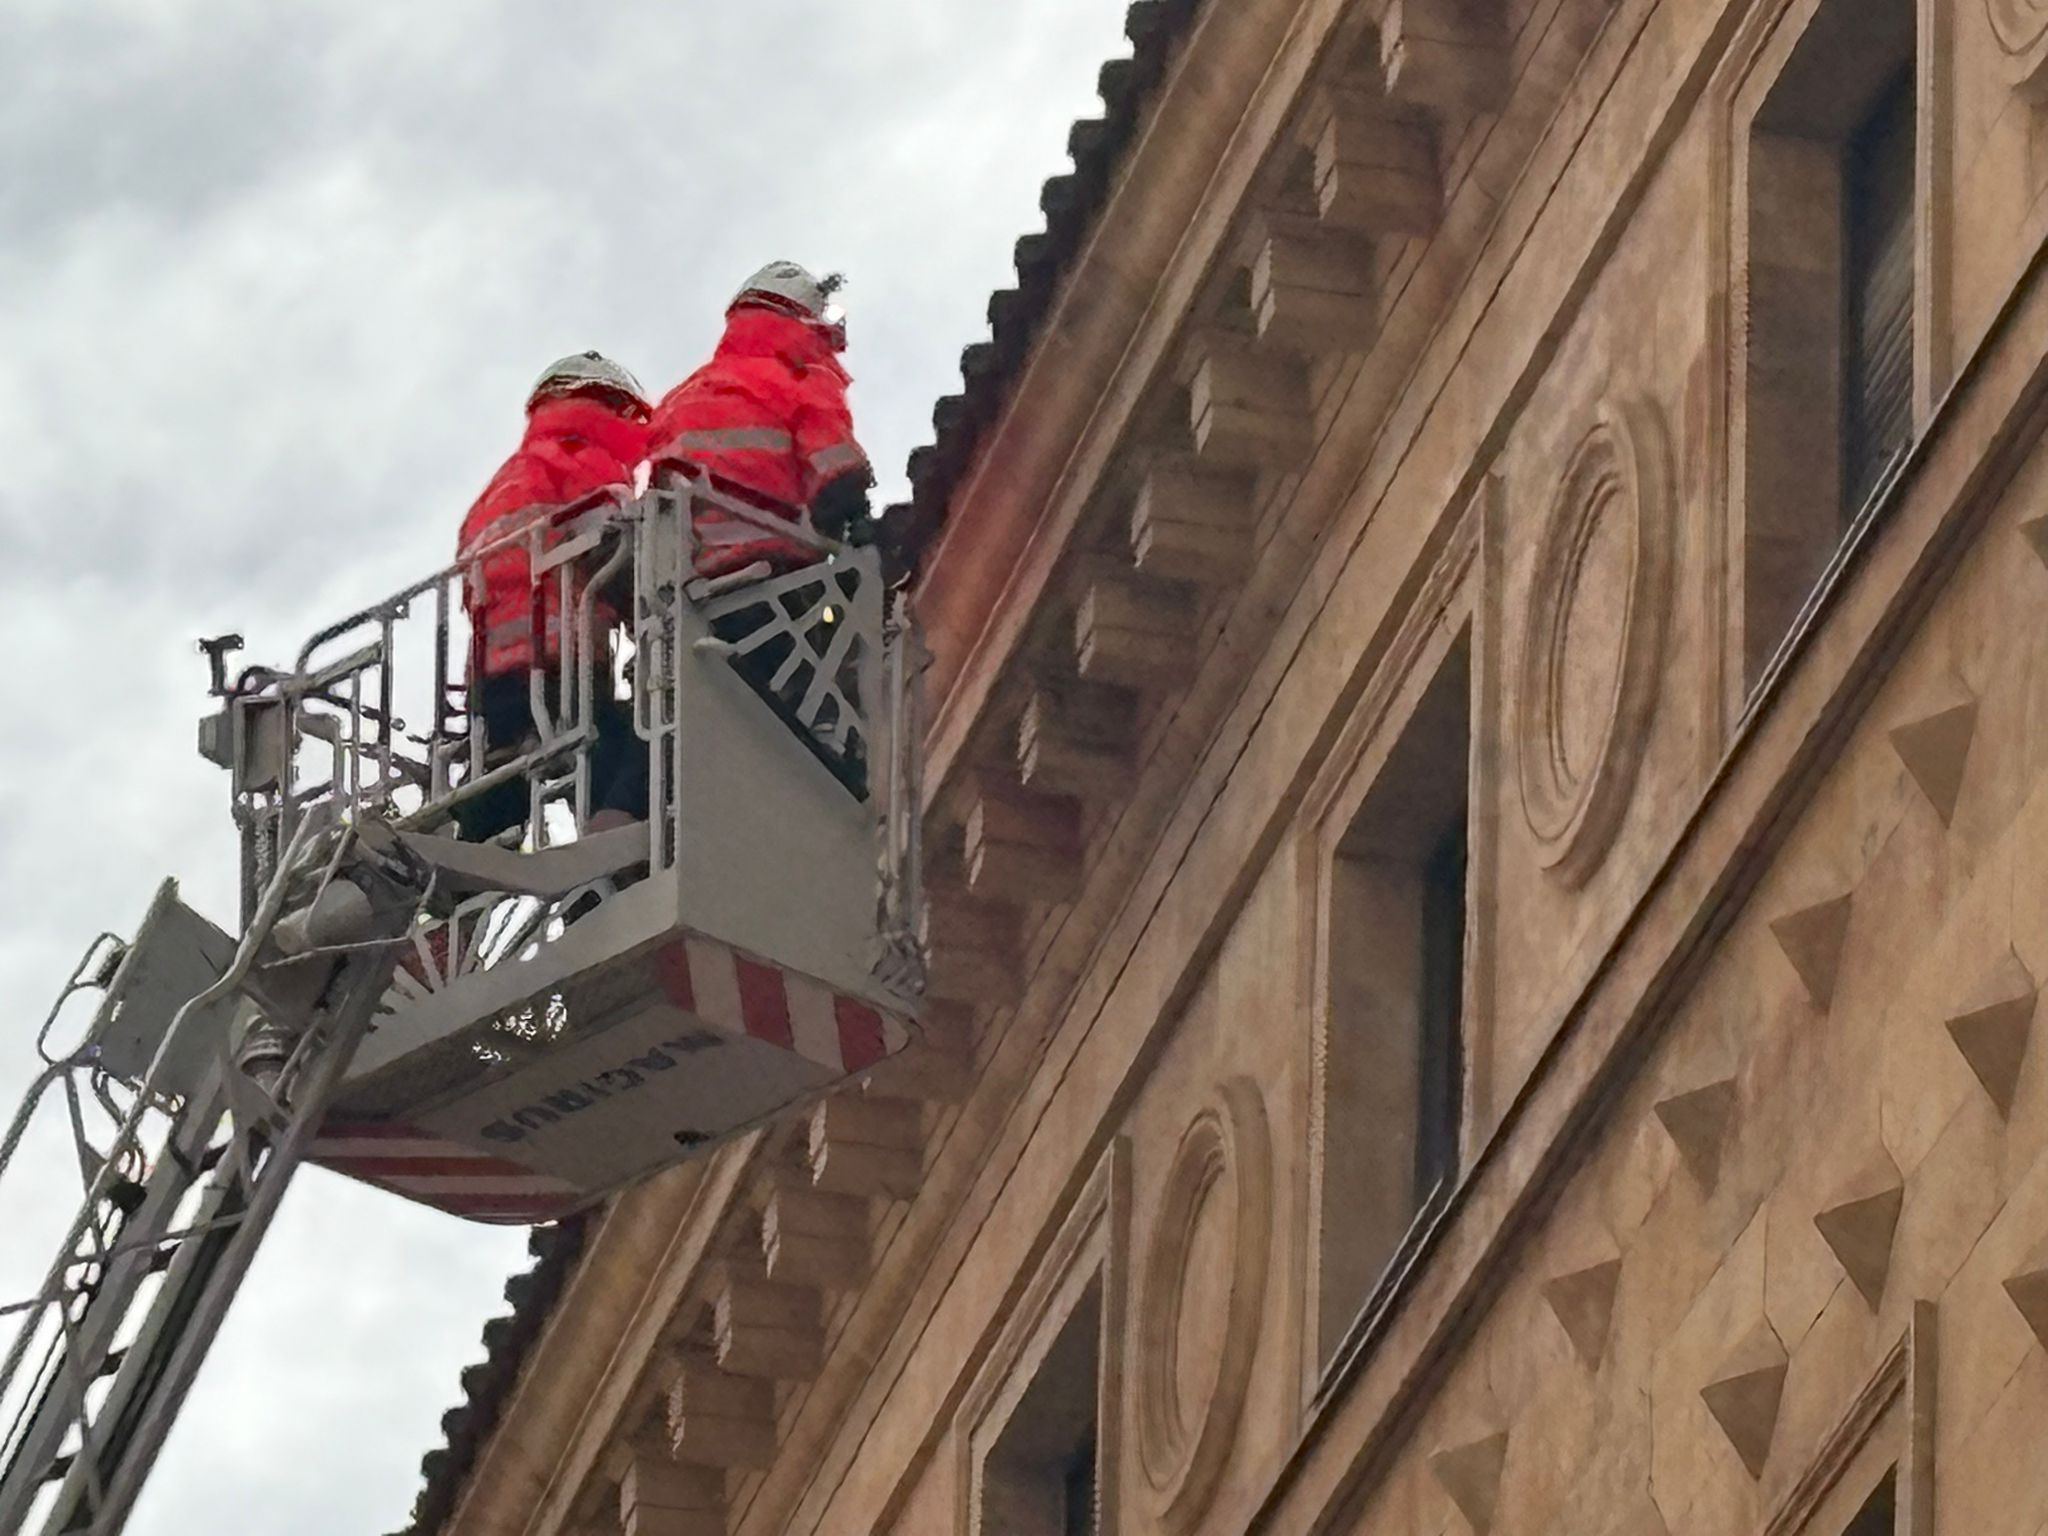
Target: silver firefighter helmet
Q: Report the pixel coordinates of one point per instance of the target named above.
(786, 286)
(584, 371)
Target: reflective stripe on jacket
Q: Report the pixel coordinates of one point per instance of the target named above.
(767, 417)
(573, 448)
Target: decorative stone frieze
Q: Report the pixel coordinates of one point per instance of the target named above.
(2029, 1292)
(1449, 54)
(1211, 1242)
(2035, 531)
(2021, 27)
(1812, 938)
(1745, 1396)
(1470, 1474)
(1593, 643)
(658, 1498)
(1936, 750)
(1583, 1302)
(1992, 1031)
(1860, 1222)
(1697, 1121)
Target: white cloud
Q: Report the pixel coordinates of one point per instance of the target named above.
(272, 280)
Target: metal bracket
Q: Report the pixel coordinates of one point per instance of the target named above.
(469, 869)
(217, 650)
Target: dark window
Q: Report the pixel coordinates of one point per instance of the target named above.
(1879, 1515)
(1877, 179)
(1391, 1049)
(1079, 1487)
(1040, 1477)
(1827, 279)
(1440, 1081)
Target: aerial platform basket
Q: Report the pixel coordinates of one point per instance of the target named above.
(507, 1029)
(587, 1007)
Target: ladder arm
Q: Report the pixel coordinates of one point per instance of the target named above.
(94, 1412)
(155, 1374)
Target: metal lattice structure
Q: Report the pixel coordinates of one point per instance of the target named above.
(794, 636)
(502, 1007)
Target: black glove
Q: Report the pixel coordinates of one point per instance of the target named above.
(895, 532)
(841, 505)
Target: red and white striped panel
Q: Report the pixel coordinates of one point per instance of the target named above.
(444, 1174)
(742, 995)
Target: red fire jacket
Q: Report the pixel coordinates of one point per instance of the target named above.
(767, 417)
(572, 448)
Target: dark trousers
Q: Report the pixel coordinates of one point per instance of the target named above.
(618, 757)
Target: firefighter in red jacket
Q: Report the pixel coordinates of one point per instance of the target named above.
(586, 432)
(767, 419)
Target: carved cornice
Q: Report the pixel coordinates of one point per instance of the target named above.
(635, 1269)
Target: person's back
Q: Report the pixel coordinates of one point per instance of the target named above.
(586, 433)
(573, 448)
(767, 418)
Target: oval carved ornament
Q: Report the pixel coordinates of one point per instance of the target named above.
(2021, 27)
(1201, 1297)
(1598, 614)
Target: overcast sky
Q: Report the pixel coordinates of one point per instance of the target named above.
(274, 276)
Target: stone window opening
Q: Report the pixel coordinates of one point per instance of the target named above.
(1864, 1501)
(1041, 1473)
(1873, 1475)
(1442, 1007)
(1878, 289)
(1828, 286)
(1041, 1437)
(1391, 1042)
(1879, 1515)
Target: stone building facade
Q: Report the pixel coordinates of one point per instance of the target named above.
(1490, 594)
